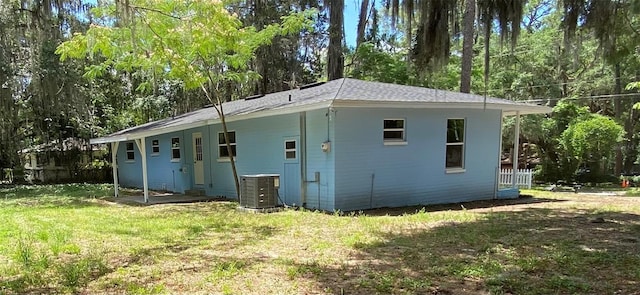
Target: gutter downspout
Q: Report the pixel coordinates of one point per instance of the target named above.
(303, 158)
(114, 165)
(211, 157)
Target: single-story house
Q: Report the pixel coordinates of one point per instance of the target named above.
(345, 144)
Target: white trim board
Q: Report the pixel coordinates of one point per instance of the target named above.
(507, 110)
(230, 118)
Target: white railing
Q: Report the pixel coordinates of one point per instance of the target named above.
(524, 177)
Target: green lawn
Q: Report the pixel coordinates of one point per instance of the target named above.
(70, 239)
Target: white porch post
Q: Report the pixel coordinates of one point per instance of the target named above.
(516, 152)
(496, 187)
(143, 154)
(114, 165)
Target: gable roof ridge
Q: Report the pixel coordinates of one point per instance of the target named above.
(339, 90)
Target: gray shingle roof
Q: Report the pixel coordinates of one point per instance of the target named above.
(335, 92)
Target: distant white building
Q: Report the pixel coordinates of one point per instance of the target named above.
(60, 162)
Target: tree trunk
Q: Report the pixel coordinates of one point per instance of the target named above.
(409, 31)
(362, 21)
(467, 46)
(617, 108)
(217, 105)
(232, 157)
(487, 38)
(335, 60)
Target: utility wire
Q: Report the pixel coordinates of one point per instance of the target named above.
(559, 84)
(591, 97)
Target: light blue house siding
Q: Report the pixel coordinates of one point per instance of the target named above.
(320, 128)
(260, 147)
(129, 172)
(370, 174)
(358, 172)
(261, 150)
(165, 173)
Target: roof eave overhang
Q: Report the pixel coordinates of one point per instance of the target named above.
(284, 110)
(229, 118)
(143, 134)
(507, 109)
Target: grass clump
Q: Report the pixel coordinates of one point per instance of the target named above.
(78, 272)
(227, 269)
(311, 268)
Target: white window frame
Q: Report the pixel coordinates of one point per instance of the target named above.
(294, 149)
(132, 151)
(173, 148)
(393, 141)
(463, 143)
(224, 144)
(155, 144)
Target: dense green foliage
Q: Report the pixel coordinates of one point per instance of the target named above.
(580, 51)
(592, 141)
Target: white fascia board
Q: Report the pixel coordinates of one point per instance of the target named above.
(508, 109)
(149, 133)
(266, 113)
(107, 139)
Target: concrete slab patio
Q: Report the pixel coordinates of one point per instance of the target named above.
(164, 198)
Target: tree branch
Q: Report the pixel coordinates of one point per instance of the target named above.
(635, 31)
(155, 10)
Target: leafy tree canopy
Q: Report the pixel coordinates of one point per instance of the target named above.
(197, 42)
(592, 139)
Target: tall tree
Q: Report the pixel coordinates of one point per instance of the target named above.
(46, 98)
(438, 22)
(467, 45)
(612, 24)
(284, 63)
(335, 57)
(362, 21)
(9, 52)
(508, 14)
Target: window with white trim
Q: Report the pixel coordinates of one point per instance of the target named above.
(455, 144)
(131, 156)
(290, 149)
(198, 146)
(175, 149)
(155, 147)
(393, 131)
(223, 152)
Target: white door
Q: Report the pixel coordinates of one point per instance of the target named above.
(198, 163)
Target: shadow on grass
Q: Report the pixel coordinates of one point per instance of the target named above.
(523, 199)
(533, 251)
(59, 196)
